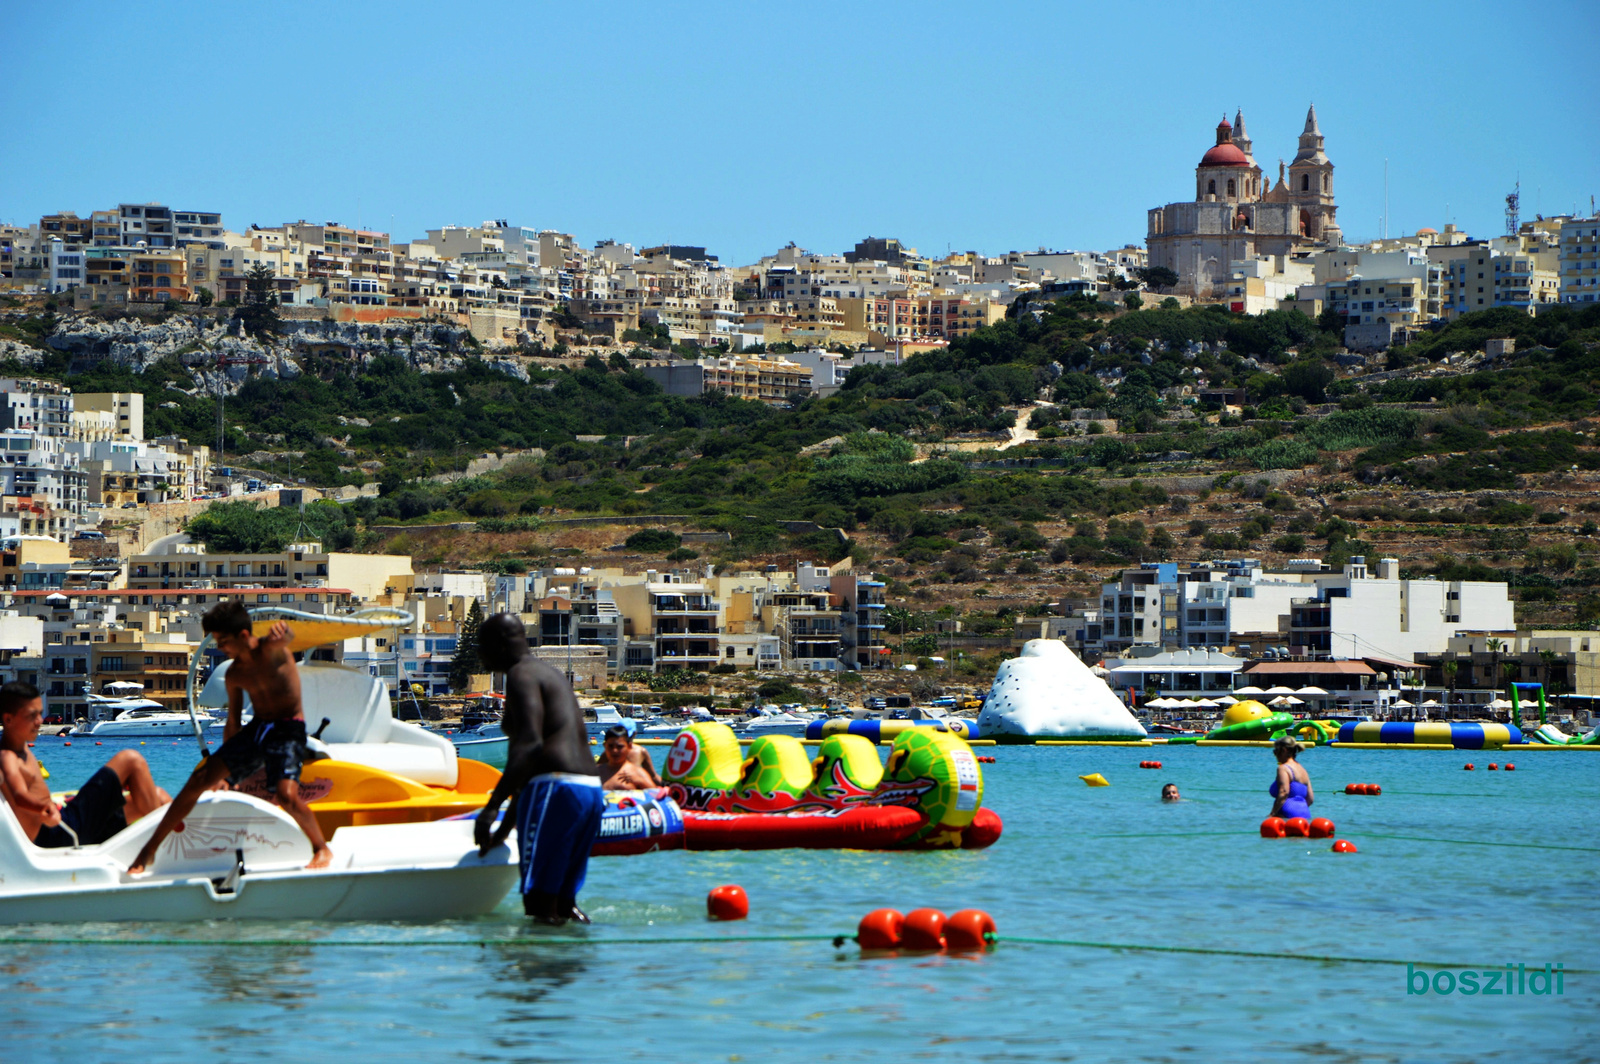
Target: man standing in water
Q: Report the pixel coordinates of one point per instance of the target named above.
(550, 777)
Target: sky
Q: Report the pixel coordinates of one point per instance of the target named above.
(742, 127)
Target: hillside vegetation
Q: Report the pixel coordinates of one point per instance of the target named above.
(1441, 456)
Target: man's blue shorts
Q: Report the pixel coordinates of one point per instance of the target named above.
(558, 817)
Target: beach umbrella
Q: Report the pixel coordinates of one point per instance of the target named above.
(1159, 703)
(1403, 704)
(1227, 700)
(1500, 703)
(1311, 691)
(1206, 703)
(1249, 691)
(1432, 703)
(1279, 690)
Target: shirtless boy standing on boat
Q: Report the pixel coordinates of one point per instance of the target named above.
(275, 738)
(98, 811)
(556, 800)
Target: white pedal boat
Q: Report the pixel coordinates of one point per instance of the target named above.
(242, 858)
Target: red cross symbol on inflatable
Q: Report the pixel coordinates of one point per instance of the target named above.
(684, 753)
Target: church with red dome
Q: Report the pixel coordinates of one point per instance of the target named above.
(1238, 214)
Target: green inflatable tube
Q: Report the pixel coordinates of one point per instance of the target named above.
(1260, 728)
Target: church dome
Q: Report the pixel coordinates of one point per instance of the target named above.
(1224, 155)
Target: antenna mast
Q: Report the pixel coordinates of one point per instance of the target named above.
(1514, 209)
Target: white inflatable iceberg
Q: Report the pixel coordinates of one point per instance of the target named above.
(1047, 693)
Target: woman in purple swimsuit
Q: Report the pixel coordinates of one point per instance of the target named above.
(1292, 788)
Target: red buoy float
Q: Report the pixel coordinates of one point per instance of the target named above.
(880, 929)
(1273, 828)
(1344, 846)
(1510, 767)
(1468, 766)
(923, 930)
(1493, 767)
(1297, 827)
(969, 929)
(1321, 828)
(727, 902)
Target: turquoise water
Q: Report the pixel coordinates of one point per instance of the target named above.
(1465, 869)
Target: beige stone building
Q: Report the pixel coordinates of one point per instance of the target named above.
(1238, 215)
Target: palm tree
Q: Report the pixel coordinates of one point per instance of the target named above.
(1493, 645)
(1450, 668)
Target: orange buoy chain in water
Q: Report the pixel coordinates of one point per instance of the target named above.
(926, 931)
(728, 902)
(986, 759)
(1493, 767)
(1362, 788)
(1149, 764)
(1510, 767)
(1321, 828)
(1344, 846)
(1468, 766)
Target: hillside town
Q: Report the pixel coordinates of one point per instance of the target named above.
(101, 585)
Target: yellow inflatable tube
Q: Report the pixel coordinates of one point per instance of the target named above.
(344, 794)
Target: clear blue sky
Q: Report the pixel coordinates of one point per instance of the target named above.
(745, 126)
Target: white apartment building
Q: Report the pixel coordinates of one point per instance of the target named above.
(1580, 260)
(1354, 613)
(1362, 614)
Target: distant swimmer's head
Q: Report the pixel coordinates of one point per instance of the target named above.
(229, 624)
(1286, 747)
(1169, 792)
(502, 642)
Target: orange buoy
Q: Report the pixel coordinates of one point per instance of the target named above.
(1374, 789)
(923, 929)
(969, 929)
(1297, 827)
(1344, 846)
(1468, 766)
(1510, 767)
(1493, 767)
(1273, 828)
(1352, 788)
(880, 929)
(1321, 828)
(728, 902)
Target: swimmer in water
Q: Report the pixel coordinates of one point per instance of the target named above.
(1169, 793)
(1292, 788)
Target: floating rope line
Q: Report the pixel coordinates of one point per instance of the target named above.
(1475, 842)
(837, 940)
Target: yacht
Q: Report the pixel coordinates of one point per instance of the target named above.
(770, 720)
(136, 718)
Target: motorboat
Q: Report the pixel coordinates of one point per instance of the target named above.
(596, 719)
(768, 720)
(238, 857)
(136, 718)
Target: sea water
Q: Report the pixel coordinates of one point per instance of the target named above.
(1456, 870)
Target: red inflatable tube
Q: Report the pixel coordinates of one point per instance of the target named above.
(984, 830)
(867, 827)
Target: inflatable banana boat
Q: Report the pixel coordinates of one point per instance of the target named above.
(774, 796)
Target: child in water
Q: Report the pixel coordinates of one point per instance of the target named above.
(1292, 788)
